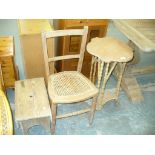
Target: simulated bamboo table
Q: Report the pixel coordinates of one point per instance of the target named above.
(31, 104)
(141, 34)
(110, 52)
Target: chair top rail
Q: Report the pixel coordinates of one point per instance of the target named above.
(59, 33)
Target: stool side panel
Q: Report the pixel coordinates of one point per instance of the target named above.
(31, 99)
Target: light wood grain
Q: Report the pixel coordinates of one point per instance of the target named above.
(68, 86)
(31, 99)
(64, 57)
(109, 51)
(7, 53)
(141, 32)
(119, 51)
(33, 26)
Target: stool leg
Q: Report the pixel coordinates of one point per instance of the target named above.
(92, 110)
(54, 110)
(119, 80)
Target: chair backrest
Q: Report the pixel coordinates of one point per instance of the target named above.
(62, 33)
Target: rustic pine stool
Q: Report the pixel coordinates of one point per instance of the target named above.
(108, 51)
(31, 104)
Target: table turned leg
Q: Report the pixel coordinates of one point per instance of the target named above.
(108, 72)
(93, 69)
(92, 111)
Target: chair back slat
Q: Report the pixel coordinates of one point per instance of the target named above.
(62, 33)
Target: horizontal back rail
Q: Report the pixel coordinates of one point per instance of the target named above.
(57, 58)
(60, 33)
(63, 33)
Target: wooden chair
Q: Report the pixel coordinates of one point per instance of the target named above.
(68, 86)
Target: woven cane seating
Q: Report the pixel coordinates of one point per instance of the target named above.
(6, 124)
(76, 88)
(68, 86)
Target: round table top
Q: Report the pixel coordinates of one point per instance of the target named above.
(109, 49)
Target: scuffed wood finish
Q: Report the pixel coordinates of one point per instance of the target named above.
(141, 32)
(58, 58)
(33, 26)
(73, 113)
(119, 51)
(9, 69)
(27, 124)
(68, 86)
(31, 100)
(110, 52)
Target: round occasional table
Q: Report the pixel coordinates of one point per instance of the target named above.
(108, 52)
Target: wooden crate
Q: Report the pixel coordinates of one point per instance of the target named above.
(71, 45)
(8, 68)
(31, 43)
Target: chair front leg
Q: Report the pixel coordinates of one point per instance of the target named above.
(54, 111)
(92, 110)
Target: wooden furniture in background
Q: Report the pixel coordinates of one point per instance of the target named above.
(31, 104)
(71, 45)
(30, 35)
(8, 68)
(6, 123)
(108, 52)
(141, 34)
(1, 80)
(68, 86)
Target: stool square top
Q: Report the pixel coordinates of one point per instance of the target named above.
(31, 99)
(109, 49)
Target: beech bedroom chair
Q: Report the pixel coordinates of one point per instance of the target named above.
(68, 86)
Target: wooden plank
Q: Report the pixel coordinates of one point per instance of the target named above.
(140, 71)
(7, 61)
(73, 113)
(59, 33)
(132, 89)
(141, 32)
(31, 99)
(130, 86)
(64, 57)
(33, 26)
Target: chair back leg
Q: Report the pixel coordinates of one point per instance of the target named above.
(92, 110)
